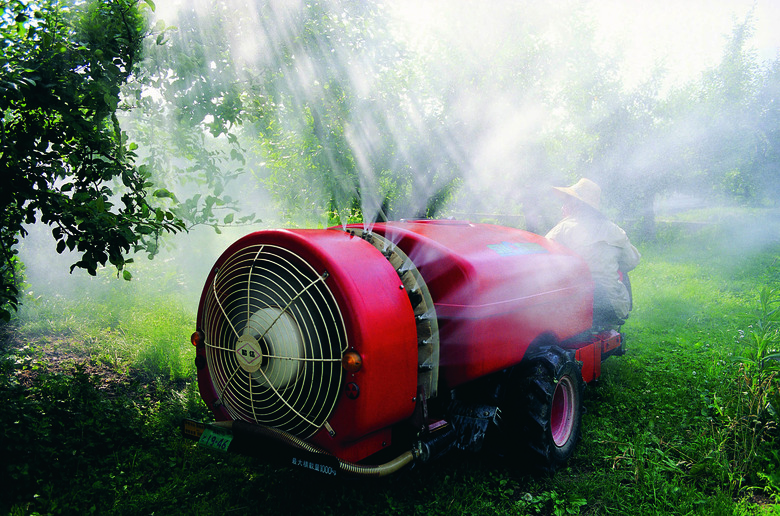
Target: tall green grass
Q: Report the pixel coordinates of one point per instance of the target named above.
(682, 420)
(143, 324)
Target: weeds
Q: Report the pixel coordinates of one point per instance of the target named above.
(551, 502)
(747, 409)
(118, 324)
(73, 446)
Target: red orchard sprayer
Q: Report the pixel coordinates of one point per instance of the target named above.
(364, 351)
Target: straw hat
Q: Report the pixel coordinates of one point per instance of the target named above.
(585, 191)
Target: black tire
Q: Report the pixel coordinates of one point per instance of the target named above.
(541, 410)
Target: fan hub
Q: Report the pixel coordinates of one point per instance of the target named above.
(249, 353)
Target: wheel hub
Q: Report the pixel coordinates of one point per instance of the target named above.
(562, 413)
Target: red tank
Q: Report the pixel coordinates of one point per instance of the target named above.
(341, 342)
(495, 290)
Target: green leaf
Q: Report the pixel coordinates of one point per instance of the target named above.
(126, 275)
(228, 218)
(162, 193)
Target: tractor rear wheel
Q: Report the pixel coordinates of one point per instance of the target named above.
(542, 409)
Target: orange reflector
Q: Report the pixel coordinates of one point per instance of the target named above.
(197, 338)
(352, 362)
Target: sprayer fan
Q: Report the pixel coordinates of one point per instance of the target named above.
(274, 340)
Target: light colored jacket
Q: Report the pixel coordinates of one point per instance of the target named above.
(605, 248)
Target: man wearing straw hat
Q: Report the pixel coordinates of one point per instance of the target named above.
(603, 245)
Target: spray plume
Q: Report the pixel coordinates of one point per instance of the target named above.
(312, 113)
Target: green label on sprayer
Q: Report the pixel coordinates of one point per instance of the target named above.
(214, 439)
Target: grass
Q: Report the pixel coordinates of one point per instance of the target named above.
(144, 324)
(679, 425)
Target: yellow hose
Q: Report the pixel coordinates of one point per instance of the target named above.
(377, 470)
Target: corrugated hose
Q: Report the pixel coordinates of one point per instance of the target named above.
(378, 470)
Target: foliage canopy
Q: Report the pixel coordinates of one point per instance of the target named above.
(64, 158)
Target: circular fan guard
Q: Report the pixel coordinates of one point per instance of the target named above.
(274, 340)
